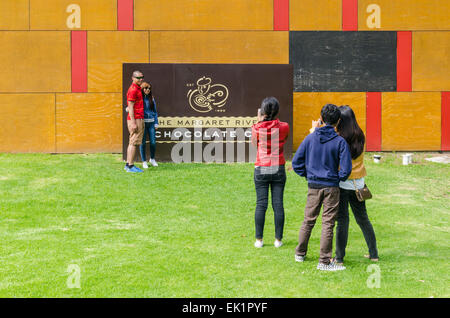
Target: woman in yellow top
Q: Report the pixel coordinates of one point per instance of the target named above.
(349, 129)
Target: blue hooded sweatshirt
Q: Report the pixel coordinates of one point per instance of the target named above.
(323, 158)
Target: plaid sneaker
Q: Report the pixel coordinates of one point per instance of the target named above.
(332, 267)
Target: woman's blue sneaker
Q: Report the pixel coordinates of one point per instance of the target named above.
(136, 169)
(132, 169)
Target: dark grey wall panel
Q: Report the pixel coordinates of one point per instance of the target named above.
(334, 61)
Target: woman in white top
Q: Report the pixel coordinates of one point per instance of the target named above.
(349, 129)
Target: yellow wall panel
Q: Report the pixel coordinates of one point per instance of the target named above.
(53, 15)
(14, 15)
(203, 15)
(219, 47)
(89, 122)
(315, 15)
(307, 107)
(106, 53)
(27, 122)
(431, 61)
(36, 61)
(407, 14)
(411, 121)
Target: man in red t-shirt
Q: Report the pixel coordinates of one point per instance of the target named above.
(135, 119)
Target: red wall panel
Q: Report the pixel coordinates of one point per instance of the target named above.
(350, 15)
(445, 121)
(281, 15)
(373, 121)
(125, 15)
(404, 61)
(79, 61)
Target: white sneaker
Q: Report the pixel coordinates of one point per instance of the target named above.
(259, 243)
(153, 162)
(277, 243)
(144, 164)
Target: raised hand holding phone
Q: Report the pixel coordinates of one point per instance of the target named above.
(260, 117)
(315, 124)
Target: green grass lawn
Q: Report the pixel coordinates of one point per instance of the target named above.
(187, 230)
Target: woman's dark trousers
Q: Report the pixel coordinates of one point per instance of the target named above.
(150, 130)
(359, 211)
(274, 178)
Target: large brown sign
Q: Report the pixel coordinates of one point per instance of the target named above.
(206, 111)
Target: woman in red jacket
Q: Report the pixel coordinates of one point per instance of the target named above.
(269, 136)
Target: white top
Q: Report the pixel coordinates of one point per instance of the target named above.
(349, 185)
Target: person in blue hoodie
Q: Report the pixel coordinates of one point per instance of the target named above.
(151, 124)
(324, 159)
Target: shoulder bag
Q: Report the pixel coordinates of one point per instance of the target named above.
(362, 194)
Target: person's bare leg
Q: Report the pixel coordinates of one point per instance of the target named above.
(131, 152)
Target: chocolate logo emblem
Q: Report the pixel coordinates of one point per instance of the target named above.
(207, 97)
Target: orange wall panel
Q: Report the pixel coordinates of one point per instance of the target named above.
(27, 122)
(411, 121)
(35, 61)
(14, 15)
(106, 53)
(89, 122)
(203, 15)
(306, 15)
(431, 61)
(53, 15)
(219, 47)
(407, 15)
(307, 107)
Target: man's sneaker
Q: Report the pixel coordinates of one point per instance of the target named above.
(299, 258)
(126, 168)
(259, 243)
(135, 169)
(144, 164)
(153, 162)
(277, 243)
(332, 267)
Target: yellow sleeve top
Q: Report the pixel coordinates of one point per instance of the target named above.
(358, 169)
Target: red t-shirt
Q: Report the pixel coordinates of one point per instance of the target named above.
(270, 137)
(134, 94)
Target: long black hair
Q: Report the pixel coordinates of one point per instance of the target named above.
(349, 129)
(150, 96)
(270, 107)
(152, 104)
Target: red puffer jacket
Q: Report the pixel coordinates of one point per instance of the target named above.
(269, 137)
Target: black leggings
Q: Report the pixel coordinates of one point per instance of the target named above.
(275, 177)
(359, 211)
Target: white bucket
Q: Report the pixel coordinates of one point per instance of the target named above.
(407, 159)
(376, 158)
